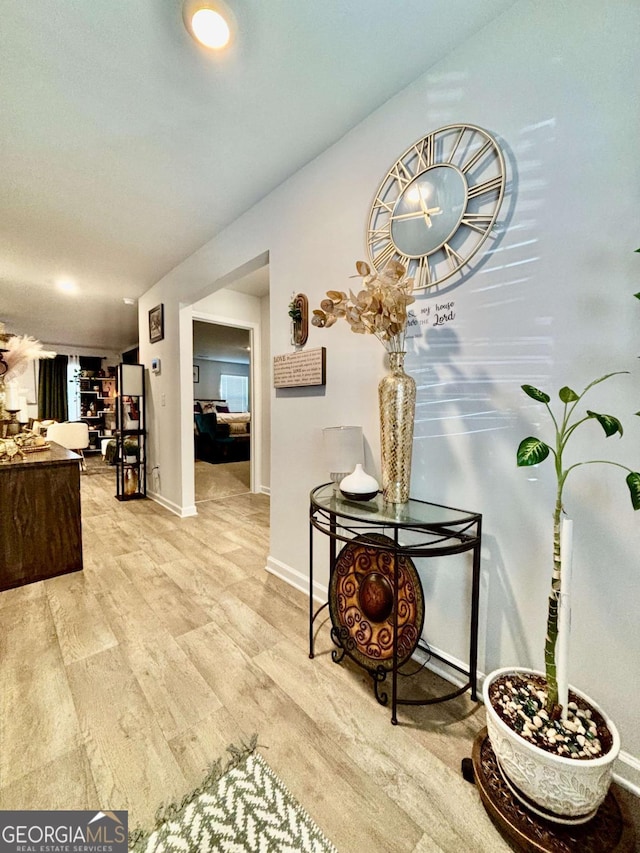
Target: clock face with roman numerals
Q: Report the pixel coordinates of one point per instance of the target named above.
(438, 204)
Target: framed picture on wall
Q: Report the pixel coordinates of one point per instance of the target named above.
(156, 324)
(196, 373)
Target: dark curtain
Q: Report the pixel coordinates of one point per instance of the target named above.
(52, 389)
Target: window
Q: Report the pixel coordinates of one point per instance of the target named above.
(73, 388)
(235, 390)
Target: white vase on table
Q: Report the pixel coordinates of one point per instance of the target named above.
(359, 485)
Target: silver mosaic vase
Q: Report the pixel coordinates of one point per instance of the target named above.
(397, 400)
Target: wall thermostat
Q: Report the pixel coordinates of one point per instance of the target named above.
(155, 365)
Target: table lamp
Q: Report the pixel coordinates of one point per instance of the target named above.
(343, 450)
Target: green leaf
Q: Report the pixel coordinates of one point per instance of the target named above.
(531, 451)
(567, 395)
(633, 481)
(535, 394)
(609, 424)
(637, 295)
(603, 379)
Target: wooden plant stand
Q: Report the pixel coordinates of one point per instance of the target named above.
(610, 830)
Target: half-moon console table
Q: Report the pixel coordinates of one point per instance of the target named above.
(375, 593)
(40, 528)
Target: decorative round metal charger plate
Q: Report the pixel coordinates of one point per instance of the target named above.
(610, 830)
(361, 602)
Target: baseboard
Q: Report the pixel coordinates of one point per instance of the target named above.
(444, 668)
(627, 766)
(627, 772)
(182, 512)
(296, 579)
(265, 490)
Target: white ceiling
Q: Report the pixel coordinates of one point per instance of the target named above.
(124, 146)
(212, 341)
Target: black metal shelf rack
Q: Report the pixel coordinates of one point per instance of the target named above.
(131, 461)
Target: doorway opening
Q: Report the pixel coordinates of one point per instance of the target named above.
(239, 300)
(222, 396)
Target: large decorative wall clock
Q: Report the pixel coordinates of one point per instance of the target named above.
(437, 204)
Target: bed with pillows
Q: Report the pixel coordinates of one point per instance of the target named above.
(220, 435)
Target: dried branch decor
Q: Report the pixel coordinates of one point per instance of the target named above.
(20, 350)
(379, 308)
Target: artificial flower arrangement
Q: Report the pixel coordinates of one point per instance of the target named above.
(379, 308)
(18, 351)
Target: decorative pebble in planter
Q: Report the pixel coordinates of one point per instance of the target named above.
(560, 769)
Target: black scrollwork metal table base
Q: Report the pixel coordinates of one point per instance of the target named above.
(375, 594)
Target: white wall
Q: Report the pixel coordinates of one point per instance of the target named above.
(210, 371)
(552, 305)
(266, 393)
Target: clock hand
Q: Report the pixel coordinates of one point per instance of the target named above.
(434, 211)
(426, 211)
(414, 215)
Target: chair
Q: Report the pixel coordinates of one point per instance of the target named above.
(40, 427)
(212, 438)
(72, 435)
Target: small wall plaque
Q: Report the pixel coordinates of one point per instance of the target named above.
(295, 369)
(300, 326)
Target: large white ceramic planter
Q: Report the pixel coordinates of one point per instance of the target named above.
(565, 790)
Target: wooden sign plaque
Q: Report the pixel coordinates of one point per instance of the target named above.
(296, 369)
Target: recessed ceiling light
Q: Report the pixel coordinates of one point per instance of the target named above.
(209, 22)
(67, 285)
(128, 300)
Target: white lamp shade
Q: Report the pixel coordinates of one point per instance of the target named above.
(132, 380)
(343, 449)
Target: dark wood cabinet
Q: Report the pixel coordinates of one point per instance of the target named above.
(40, 522)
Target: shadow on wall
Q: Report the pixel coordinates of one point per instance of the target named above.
(453, 399)
(451, 388)
(465, 456)
(474, 418)
(496, 591)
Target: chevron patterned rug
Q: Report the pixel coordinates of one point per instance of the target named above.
(243, 807)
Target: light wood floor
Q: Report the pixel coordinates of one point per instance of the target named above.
(214, 482)
(121, 683)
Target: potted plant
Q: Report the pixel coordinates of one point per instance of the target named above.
(294, 311)
(130, 450)
(553, 745)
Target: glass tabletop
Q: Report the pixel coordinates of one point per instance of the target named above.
(413, 513)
